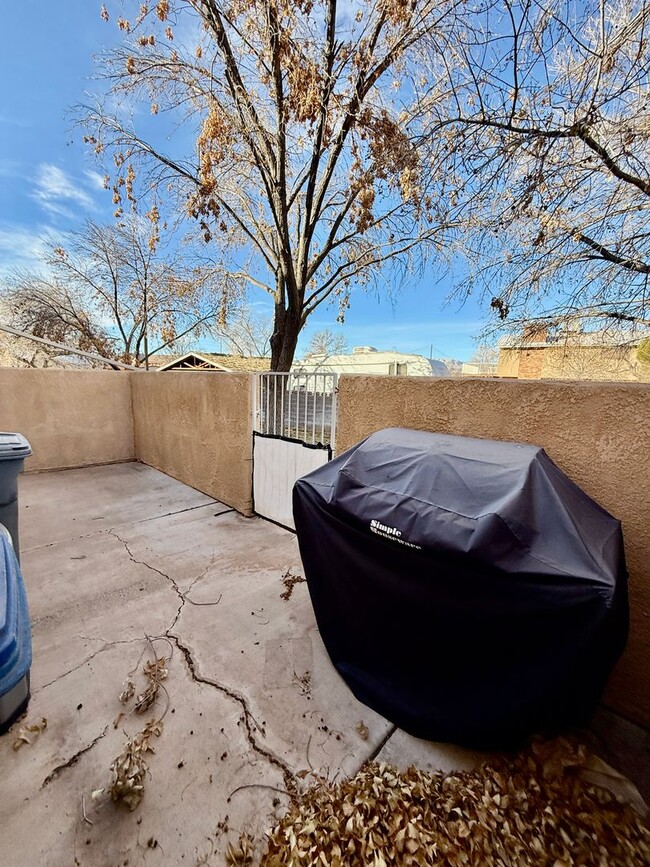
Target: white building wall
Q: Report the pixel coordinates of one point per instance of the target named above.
(369, 362)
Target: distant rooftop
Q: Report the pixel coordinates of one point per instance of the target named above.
(210, 361)
(539, 336)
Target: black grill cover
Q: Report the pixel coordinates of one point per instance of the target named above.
(466, 589)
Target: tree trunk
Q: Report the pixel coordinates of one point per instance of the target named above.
(286, 328)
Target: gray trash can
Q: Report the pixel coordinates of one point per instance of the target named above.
(14, 448)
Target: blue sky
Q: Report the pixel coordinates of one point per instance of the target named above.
(49, 183)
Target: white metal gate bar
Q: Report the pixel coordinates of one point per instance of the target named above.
(300, 406)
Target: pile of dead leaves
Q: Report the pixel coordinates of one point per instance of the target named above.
(531, 809)
(129, 769)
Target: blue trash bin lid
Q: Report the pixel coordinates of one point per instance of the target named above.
(13, 446)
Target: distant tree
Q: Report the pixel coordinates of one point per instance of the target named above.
(20, 352)
(538, 119)
(485, 355)
(246, 332)
(454, 366)
(304, 166)
(327, 343)
(116, 291)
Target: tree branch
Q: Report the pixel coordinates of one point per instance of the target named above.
(609, 256)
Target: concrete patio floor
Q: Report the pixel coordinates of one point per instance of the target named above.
(111, 554)
(116, 553)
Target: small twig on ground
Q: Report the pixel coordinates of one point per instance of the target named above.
(83, 811)
(257, 786)
(186, 598)
(203, 859)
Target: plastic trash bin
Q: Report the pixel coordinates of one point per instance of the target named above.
(14, 448)
(15, 636)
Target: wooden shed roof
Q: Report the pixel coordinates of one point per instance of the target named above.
(215, 361)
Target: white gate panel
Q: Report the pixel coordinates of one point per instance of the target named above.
(277, 464)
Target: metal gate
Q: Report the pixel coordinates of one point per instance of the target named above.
(294, 426)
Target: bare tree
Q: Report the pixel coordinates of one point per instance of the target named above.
(111, 290)
(327, 343)
(538, 121)
(486, 356)
(20, 352)
(305, 169)
(246, 332)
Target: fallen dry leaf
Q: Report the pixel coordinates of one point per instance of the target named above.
(22, 737)
(533, 808)
(130, 767)
(362, 728)
(240, 854)
(128, 692)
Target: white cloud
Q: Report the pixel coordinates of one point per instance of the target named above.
(24, 248)
(95, 179)
(57, 193)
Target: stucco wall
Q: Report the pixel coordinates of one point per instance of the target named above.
(72, 418)
(196, 427)
(508, 363)
(531, 362)
(565, 361)
(604, 363)
(599, 434)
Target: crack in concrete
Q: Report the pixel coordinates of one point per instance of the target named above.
(172, 581)
(183, 596)
(72, 760)
(380, 746)
(107, 646)
(214, 503)
(250, 723)
(109, 530)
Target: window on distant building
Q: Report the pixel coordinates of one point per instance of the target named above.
(391, 368)
(402, 369)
